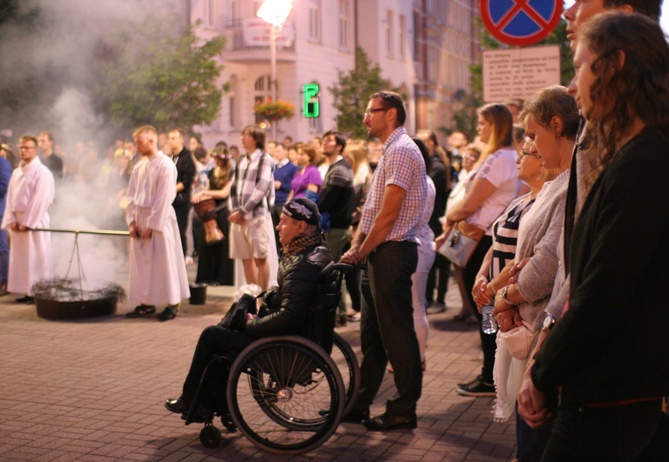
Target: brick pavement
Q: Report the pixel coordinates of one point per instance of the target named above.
(92, 390)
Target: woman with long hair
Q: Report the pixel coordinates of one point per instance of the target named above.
(551, 122)
(490, 188)
(214, 266)
(440, 173)
(608, 354)
(357, 155)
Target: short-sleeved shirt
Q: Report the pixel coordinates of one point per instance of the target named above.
(301, 181)
(401, 165)
(501, 170)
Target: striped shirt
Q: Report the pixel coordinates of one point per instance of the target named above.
(401, 165)
(250, 187)
(505, 234)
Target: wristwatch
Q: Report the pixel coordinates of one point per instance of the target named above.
(549, 322)
(505, 292)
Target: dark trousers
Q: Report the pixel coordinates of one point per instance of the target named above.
(612, 434)
(438, 277)
(182, 212)
(387, 330)
(214, 341)
(488, 341)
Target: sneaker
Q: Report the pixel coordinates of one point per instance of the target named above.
(436, 307)
(476, 388)
(189, 260)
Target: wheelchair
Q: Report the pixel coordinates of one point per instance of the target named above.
(288, 394)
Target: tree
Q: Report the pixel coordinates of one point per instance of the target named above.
(93, 71)
(167, 81)
(352, 93)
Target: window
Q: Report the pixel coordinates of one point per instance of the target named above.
(234, 11)
(314, 21)
(390, 34)
(262, 92)
(232, 102)
(403, 37)
(416, 35)
(344, 8)
(210, 12)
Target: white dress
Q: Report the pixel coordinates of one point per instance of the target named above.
(29, 195)
(157, 267)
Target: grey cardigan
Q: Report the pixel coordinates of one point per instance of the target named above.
(538, 238)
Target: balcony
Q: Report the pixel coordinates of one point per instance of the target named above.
(248, 41)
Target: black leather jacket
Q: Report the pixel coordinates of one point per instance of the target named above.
(299, 285)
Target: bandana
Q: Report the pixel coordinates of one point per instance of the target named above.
(302, 209)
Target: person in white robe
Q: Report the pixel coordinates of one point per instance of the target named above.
(29, 195)
(157, 267)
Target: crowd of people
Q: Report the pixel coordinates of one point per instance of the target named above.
(551, 198)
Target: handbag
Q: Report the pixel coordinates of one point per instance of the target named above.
(519, 340)
(461, 243)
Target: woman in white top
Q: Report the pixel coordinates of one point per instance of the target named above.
(490, 189)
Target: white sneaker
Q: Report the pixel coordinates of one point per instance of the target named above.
(189, 260)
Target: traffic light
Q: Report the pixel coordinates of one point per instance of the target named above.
(311, 104)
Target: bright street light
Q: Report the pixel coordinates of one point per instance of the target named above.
(275, 12)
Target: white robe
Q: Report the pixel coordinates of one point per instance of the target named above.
(29, 195)
(157, 267)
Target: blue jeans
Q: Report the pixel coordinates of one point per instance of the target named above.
(387, 330)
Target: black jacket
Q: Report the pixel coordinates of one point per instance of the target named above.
(299, 285)
(185, 174)
(612, 343)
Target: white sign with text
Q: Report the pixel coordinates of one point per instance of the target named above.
(519, 72)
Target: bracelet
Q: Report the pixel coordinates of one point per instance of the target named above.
(505, 292)
(492, 287)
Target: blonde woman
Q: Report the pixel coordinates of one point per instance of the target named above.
(490, 189)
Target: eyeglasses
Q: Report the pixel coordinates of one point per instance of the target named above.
(369, 112)
(524, 153)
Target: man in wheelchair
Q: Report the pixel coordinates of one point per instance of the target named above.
(304, 256)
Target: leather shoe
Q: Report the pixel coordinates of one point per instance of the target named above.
(386, 422)
(356, 416)
(27, 300)
(199, 415)
(178, 406)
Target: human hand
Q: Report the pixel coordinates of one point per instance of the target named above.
(17, 227)
(236, 217)
(508, 319)
(532, 402)
(352, 256)
(479, 292)
(515, 270)
(440, 240)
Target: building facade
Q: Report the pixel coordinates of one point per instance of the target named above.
(424, 47)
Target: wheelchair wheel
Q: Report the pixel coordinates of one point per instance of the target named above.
(347, 362)
(210, 436)
(285, 394)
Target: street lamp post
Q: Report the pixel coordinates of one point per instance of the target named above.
(275, 13)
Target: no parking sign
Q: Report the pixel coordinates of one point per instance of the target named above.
(520, 22)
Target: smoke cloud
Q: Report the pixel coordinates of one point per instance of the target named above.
(50, 62)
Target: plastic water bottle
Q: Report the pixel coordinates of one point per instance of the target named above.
(488, 323)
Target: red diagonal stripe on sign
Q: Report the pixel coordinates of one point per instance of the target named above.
(521, 5)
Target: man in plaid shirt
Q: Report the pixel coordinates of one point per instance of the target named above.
(387, 239)
(252, 195)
